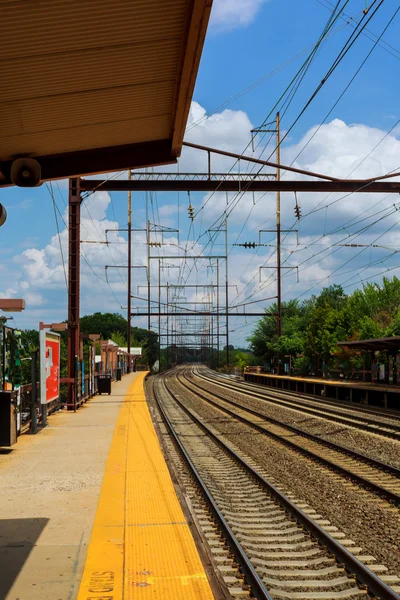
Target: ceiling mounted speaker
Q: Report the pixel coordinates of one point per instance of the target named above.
(26, 172)
(3, 215)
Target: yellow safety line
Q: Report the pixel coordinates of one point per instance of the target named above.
(141, 545)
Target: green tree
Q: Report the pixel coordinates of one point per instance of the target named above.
(119, 338)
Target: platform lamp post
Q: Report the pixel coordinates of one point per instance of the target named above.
(42, 378)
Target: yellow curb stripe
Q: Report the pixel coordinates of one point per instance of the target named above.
(141, 545)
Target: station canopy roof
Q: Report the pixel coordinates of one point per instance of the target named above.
(89, 86)
(384, 343)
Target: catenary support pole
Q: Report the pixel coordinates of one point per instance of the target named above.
(74, 214)
(128, 336)
(226, 293)
(217, 312)
(278, 238)
(159, 317)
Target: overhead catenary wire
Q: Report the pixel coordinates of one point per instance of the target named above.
(325, 31)
(50, 190)
(369, 53)
(86, 260)
(349, 43)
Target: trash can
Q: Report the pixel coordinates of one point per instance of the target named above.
(119, 374)
(104, 384)
(8, 419)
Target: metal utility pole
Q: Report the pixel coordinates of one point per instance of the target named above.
(74, 269)
(159, 317)
(226, 293)
(278, 234)
(148, 290)
(167, 351)
(128, 336)
(212, 289)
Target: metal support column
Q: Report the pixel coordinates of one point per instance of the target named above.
(278, 237)
(74, 216)
(159, 317)
(148, 292)
(217, 312)
(226, 293)
(167, 351)
(128, 336)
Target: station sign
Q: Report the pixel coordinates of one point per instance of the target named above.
(49, 366)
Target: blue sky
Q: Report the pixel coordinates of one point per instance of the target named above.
(248, 40)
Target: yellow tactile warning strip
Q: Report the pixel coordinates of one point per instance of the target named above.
(141, 545)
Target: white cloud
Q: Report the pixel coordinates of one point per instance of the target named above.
(231, 14)
(336, 148)
(34, 299)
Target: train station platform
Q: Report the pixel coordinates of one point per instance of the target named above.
(88, 509)
(376, 394)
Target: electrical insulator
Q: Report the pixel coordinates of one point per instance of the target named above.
(191, 212)
(297, 211)
(249, 245)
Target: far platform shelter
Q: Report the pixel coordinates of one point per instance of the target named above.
(382, 356)
(380, 378)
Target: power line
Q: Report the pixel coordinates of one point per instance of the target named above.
(50, 190)
(85, 259)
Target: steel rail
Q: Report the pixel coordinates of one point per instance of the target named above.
(252, 578)
(324, 405)
(365, 483)
(378, 429)
(373, 462)
(364, 575)
(387, 413)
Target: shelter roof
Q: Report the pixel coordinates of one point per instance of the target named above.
(384, 343)
(94, 86)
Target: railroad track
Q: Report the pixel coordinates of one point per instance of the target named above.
(290, 400)
(386, 413)
(373, 475)
(282, 549)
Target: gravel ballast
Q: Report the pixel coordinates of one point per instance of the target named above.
(373, 524)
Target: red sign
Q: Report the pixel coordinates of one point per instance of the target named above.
(52, 369)
(49, 366)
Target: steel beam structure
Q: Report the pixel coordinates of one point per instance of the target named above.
(129, 310)
(74, 217)
(284, 185)
(201, 314)
(198, 334)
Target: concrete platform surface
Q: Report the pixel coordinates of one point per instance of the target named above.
(141, 545)
(50, 486)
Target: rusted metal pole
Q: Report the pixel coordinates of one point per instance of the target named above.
(217, 312)
(166, 351)
(259, 161)
(159, 317)
(74, 214)
(278, 235)
(226, 293)
(128, 335)
(254, 184)
(148, 291)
